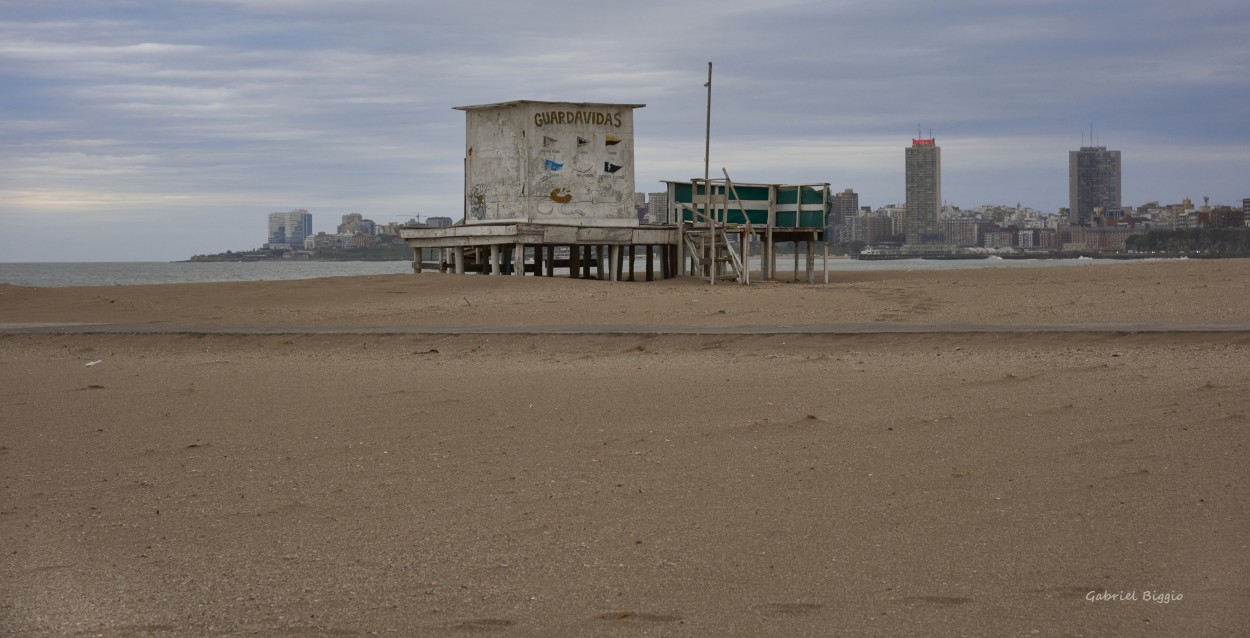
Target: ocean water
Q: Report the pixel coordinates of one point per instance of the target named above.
(133, 273)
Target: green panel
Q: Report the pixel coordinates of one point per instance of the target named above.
(683, 193)
(810, 196)
(813, 219)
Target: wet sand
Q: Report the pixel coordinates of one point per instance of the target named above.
(575, 485)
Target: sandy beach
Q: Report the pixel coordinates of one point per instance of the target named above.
(302, 458)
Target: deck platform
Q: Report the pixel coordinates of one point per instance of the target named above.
(501, 248)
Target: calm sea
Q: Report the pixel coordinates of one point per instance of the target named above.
(131, 273)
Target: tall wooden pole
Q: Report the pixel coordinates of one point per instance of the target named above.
(707, 190)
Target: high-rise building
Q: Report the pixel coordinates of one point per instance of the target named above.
(924, 191)
(1093, 182)
(657, 208)
(356, 224)
(288, 230)
(843, 210)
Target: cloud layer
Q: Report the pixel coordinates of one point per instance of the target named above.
(157, 129)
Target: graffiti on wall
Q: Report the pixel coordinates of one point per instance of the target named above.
(573, 163)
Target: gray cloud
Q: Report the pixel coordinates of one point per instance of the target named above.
(160, 129)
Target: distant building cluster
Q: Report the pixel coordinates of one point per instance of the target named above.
(291, 231)
(1095, 219)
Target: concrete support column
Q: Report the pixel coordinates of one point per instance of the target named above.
(416, 260)
(458, 253)
(614, 266)
(551, 261)
(495, 258)
(518, 260)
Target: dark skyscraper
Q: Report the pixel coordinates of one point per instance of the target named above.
(924, 191)
(1093, 182)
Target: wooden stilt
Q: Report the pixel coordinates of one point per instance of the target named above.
(796, 261)
(825, 260)
(811, 260)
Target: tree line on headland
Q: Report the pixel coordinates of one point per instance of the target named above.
(1213, 242)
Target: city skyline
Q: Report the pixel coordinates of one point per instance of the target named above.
(127, 126)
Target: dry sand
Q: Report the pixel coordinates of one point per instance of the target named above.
(578, 485)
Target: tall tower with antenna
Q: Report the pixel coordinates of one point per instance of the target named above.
(1094, 178)
(924, 190)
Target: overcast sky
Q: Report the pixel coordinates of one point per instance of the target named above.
(135, 130)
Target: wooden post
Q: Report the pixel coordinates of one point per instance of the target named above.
(796, 259)
(826, 257)
(770, 242)
(681, 236)
(811, 259)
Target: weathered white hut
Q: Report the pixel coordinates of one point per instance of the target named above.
(542, 175)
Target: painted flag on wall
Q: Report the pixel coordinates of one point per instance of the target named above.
(609, 167)
(611, 141)
(552, 166)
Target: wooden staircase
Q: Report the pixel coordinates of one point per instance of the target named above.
(707, 235)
